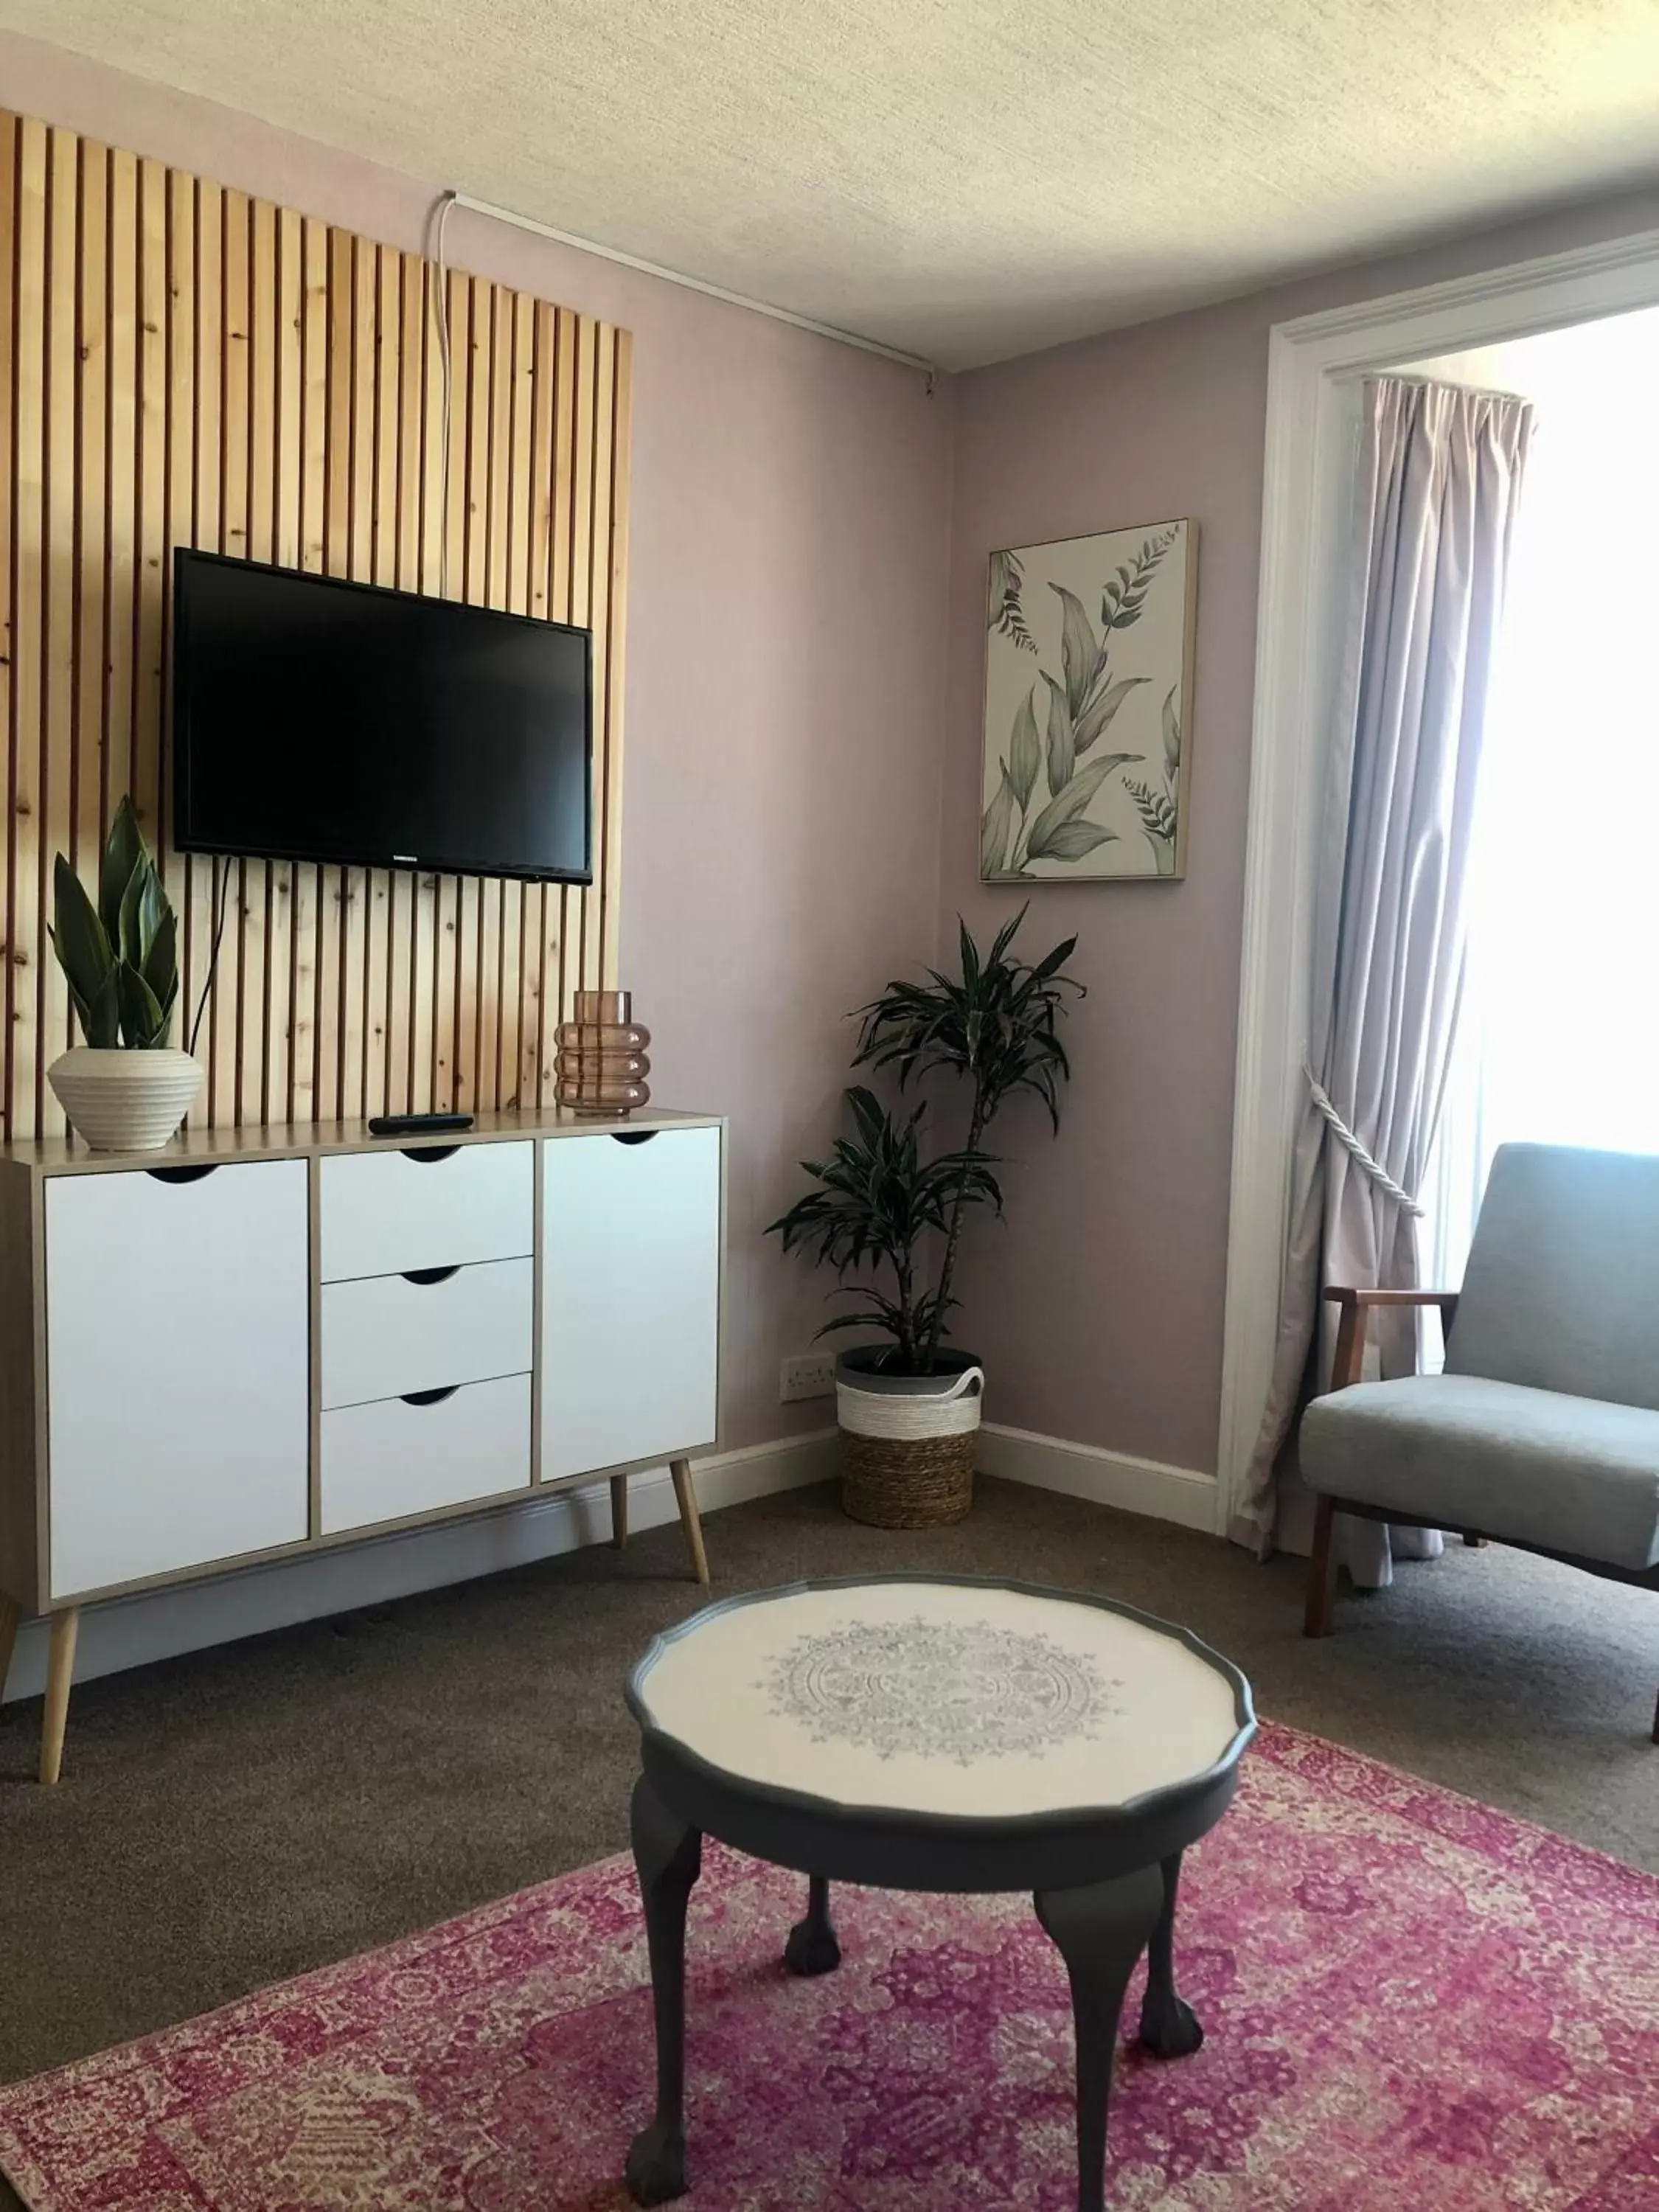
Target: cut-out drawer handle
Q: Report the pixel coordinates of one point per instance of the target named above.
(430, 1397)
(424, 1275)
(429, 1155)
(633, 1136)
(183, 1174)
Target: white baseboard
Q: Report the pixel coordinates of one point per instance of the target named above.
(1108, 1478)
(132, 1631)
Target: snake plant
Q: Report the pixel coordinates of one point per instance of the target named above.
(119, 956)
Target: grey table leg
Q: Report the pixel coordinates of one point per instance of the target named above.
(1100, 1932)
(812, 1947)
(1168, 2025)
(668, 1855)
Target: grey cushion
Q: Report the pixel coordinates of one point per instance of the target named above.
(1562, 1287)
(1539, 1466)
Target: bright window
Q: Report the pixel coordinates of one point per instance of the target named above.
(1559, 1035)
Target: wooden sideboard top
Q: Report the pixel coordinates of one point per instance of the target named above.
(303, 1140)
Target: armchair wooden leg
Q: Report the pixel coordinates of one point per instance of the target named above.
(1322, 1571)
(1475, 1543)
(619, 1512)
(60, 1673)
(690, 1520)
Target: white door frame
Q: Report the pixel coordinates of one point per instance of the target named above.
(1314, 365)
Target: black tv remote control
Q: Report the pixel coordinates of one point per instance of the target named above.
(415, 1125)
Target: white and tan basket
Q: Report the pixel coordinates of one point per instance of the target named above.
(907, 1443)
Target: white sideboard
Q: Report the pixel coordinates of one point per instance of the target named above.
(262, 1342)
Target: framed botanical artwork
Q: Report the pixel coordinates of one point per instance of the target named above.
(1088, 684)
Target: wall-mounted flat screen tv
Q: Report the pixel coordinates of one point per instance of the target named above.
(316, 719)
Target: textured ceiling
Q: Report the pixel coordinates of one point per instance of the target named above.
(959, 178)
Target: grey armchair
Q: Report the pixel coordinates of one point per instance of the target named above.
(1543, 1431)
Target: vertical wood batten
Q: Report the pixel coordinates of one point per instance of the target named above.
(92, 401)
(234, 978)
(59, 583)
(608, 770)
(28, 856)
(574, 960)
(264, 1010)
(177, 870)
(182, 365)
(208, 876)
(309, 532)
(598, 615)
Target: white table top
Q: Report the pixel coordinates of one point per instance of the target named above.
(956, 1698)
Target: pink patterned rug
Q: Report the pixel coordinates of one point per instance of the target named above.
(1413, 2004)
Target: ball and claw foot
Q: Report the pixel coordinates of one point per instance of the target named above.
(812, 1947)
(1169, 2028)
(656, 2165)
(811, 1950)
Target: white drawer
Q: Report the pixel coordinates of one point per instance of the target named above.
(434, 1205)
(387, 1460)
(385, 1334)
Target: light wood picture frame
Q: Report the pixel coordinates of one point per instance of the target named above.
(1087, 748)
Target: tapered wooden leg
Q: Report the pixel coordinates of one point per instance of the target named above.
(60, 1673)
(11, 1614)
(1322, 1571)
(1475, 1543)
(690, 1520)
(619, 1512)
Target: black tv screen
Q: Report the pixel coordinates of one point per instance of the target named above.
(315, 720)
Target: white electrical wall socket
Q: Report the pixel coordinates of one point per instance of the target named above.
(811, 1374)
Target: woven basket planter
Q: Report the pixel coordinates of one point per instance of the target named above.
(907, 1443)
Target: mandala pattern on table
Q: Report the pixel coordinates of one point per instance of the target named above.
(939, 1689)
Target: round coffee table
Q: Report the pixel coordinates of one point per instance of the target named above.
(936, 1732)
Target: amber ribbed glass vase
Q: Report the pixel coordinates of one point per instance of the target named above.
(602, 1063)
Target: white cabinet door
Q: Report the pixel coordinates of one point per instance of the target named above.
(630, 1297)
(177, 1368)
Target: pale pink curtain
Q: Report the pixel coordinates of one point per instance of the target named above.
(1439, 475)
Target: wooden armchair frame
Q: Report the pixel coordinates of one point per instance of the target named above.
(1356, 1306)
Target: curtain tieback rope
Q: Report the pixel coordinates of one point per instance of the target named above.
(1355, 1152)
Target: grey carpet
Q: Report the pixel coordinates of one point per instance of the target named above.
(232, 1818)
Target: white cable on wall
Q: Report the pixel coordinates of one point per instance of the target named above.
(445, 208)
(693, 283)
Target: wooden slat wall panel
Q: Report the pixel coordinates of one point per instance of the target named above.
(182, 365)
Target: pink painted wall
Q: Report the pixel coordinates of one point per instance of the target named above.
(791, 504)
(805, 661)
(1099, 1307)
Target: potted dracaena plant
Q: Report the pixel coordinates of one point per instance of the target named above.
(908, 1405)
(125, 1089)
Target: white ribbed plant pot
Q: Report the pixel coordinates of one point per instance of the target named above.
(908, 1441)
(122, 1100)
